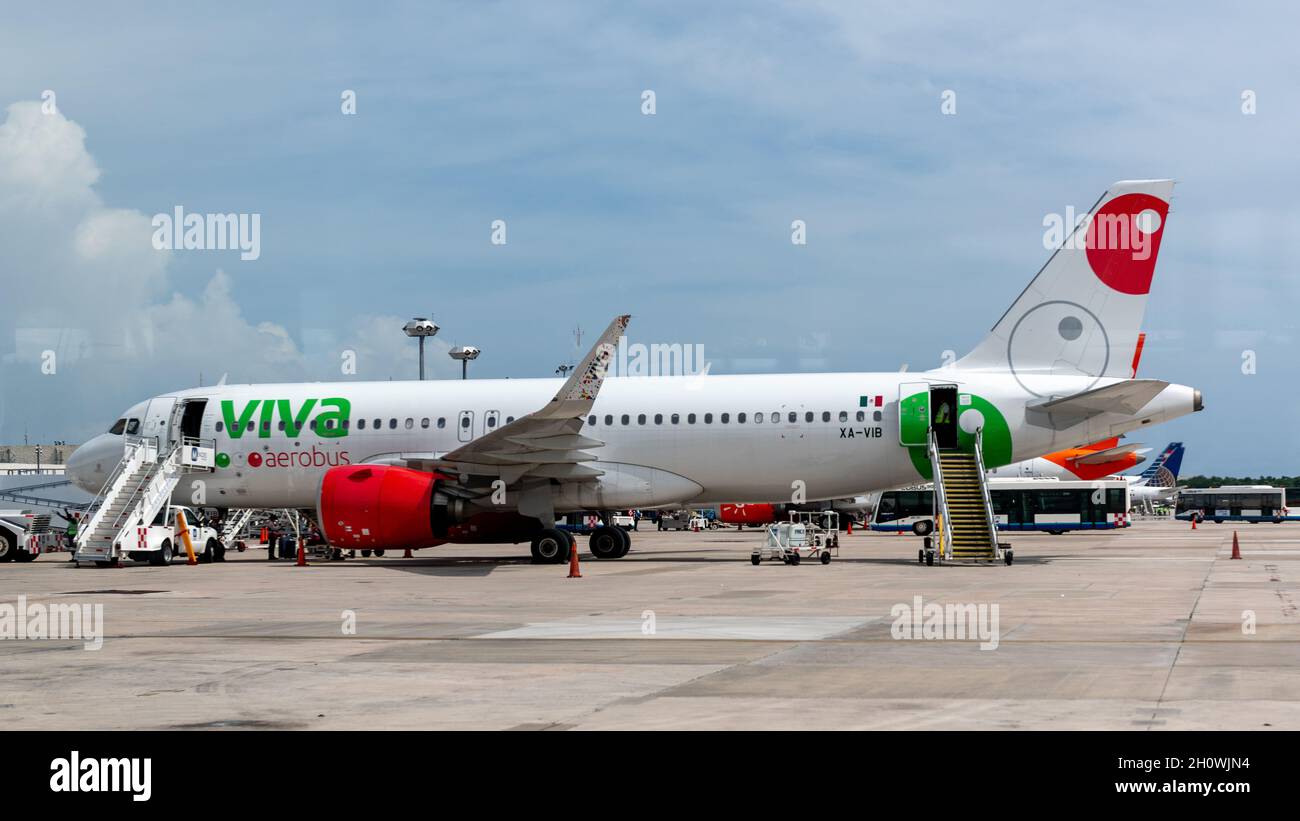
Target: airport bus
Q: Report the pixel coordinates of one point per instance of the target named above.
(1234, 503)
(1046, 504)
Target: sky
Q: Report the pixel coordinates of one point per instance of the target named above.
(923, 221)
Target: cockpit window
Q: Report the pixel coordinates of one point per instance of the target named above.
(133, 426)
(118, 427)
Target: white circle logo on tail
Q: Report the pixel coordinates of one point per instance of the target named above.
(1148, 222)
(1058, 338)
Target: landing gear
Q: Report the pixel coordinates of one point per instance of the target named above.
(551, 546)
(379, 552)
(608, 542)
(1007, 556)
(365, 554)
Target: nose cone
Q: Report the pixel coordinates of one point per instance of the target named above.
(89, 465)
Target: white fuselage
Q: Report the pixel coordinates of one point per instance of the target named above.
(850, 446)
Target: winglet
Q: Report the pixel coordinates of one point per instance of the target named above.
(579, 391)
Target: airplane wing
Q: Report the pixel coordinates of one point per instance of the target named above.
(547, 443)
(1128, 397)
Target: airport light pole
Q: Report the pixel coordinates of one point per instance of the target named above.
(464, 353)
(421, 328)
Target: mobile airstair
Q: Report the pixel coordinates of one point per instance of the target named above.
(140, 486)
(966, 526)
(236, 520)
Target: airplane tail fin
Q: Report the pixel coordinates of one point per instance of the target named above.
(1163, 471)
(1081, 315)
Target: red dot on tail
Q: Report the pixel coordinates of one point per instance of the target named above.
(1124, 241)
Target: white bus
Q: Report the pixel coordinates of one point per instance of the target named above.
(1235, 503)
(1046, 504)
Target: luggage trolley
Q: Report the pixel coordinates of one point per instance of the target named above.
(808, 535)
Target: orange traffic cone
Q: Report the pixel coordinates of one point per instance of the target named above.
(849, 532)
(1236, 548)
(574, 573)
(302, 555)
(265, 536)
(1193, 522)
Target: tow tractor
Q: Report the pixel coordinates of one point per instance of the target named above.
(808, 535)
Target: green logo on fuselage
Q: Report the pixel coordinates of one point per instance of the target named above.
(329, 423)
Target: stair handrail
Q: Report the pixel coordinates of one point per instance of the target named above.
(989, 516)
(940, 496)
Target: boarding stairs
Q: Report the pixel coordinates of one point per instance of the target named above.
(140, 485)
(963, 507)
(236, 519)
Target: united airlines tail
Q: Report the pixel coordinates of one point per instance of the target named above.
(1163, 471)
(1082, 313)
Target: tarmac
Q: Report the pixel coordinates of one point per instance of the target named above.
(1152, 627)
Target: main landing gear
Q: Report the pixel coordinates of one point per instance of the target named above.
(610, 542)
(552, 546)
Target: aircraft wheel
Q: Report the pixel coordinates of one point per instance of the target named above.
(379, 552)
(626, 536)
(1007, 556)
(920, 557)
(606, 542)
(929, 559)
(551, 546)
(754, 560)
(365, 554)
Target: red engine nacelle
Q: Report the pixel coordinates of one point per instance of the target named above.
(380, 506)
(395, 508)
(750, 514)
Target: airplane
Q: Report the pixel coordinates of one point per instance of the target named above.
(389, 465)
(1094, 461)
(1159, 482)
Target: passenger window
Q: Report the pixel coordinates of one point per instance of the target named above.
(392, 423)
(740, 418)
(509, 419)
(347, 423)
(281, 425)
(442, 422)
(464, 421)
(808, 417)
(266, 427)
(410, 423)
(379, 423)
(312, 425)
(118, 427)
(424, 423)
(361, 424)
(492, 421)
(844, 416)
(220, 426)
(826, 416)
(690, 419)
(591, 420)
(758, 419)
(250, 426)
(875, 415)
(659, 418)
(726, 417)
(708, 418)
(675, 418)
(776, 417)
(640, 419)
(791, 416)
(609, 419)
(626, 418)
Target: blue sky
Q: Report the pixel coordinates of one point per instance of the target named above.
(922, 227)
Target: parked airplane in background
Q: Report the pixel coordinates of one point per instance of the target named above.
(1159, 482)
(387, 465)
(762, 513)
(1094, 461)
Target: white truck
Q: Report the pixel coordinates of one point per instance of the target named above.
(24, 535)
(160, 541)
